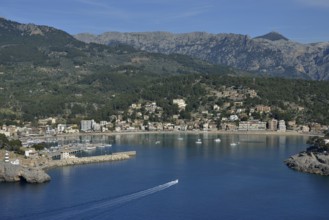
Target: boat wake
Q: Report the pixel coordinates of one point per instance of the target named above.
(100, 206)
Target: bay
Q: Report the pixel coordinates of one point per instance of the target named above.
(216, 181)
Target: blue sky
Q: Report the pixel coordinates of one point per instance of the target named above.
(300, 20)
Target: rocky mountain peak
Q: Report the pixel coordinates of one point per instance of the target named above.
(273, 36)
(271, 53)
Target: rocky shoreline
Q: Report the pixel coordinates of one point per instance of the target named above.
(37, 174)
(310, 162)
(17, 173)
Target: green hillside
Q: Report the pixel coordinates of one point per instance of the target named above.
(46, 72)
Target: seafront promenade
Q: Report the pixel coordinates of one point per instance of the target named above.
(287, 133)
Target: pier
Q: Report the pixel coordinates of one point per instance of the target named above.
(94, 159)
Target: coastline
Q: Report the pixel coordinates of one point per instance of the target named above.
(36, 171)
(49, 164)
(287, 133)
(309, 162)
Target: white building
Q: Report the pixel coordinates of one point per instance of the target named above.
(216, 107)
(181, 103)
(282, 126)
(234, 118)
(30, 152)
(65, 154)
(87, 125)
(15, 162)
(61, 128)
(326, 141)
(252, 125)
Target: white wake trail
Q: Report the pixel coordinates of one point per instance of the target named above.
(66, 214)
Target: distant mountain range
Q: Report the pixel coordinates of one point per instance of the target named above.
(47, 72)
(44, 48)
(272, 54)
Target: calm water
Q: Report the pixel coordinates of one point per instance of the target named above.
(216, 181)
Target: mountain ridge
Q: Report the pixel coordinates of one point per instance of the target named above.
(271, 53)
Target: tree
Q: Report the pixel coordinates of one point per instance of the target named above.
(3, 141)
(39, 146)
(317, 144)
(15, 145)
(185, 115)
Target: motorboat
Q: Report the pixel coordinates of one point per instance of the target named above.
(198, 141)
(217, 140)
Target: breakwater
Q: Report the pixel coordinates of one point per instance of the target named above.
(37, 173)
(94, 159)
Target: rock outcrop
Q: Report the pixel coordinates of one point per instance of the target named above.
(310, 162)
(16, 173)
(36, 174)
(271, 53)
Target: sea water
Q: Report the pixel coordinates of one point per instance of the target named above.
(215, 180)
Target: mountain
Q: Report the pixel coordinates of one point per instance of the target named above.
(41, 47)
(272, 53)
(45, 71)
(273, 36)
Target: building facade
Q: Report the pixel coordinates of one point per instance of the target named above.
(252, 125)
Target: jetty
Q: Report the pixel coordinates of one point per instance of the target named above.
(93, 159)
(34, 170)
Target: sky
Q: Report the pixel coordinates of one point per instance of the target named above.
(304, 21)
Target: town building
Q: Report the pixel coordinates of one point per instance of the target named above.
(305, 129)
(61, 128)
(273, 125)
(47, 121)
(65, 154)
(282, 126)
(234, 118)
(87, 125)
(263, 108)
(180, 103)
(30, 152)
(252, 125)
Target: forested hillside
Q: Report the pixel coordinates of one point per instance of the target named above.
(46, 72)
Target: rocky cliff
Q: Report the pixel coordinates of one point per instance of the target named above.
(310, 162)
(16, 173)
(271, 53)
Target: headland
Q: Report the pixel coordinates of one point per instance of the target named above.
(34, 170)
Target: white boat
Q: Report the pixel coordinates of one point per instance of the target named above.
(217, 140)
(180, 138)
(106, 145)
(233, 144)
(157, 142)
(198, 141)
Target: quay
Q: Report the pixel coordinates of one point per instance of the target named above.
(94, 159)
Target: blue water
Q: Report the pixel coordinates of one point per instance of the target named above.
(216, 181)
